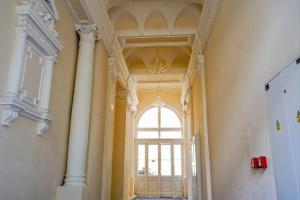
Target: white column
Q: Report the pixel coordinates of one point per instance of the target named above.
(47, 79)
(129, 147)
(80, 118)
(44, 98)
(109, 130)
(186, 152)
(17, 65)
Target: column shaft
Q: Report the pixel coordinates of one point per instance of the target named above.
(80, 118)
(109, 131)
(47, 79)
(17, 65)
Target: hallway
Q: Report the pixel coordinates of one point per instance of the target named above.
(159, 198)
(119, 99)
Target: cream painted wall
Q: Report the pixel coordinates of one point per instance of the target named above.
(128, 156)
(7, 37)
(170, 97)
(97, 124)
(198, 128)
(118, 152)
(31, 167)
(251, 41)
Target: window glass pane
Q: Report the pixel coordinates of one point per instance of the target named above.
(141, 160)
(177, 167)
(169, 119)
(170, 134)
(147, 134)
(165, 160)
(177, 160)
(152, 160)
(149, 119)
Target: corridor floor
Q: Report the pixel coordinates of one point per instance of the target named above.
(175, 198)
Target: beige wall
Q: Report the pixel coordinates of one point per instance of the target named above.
(250, 42)
(31, 167)
(128, 156)
(119, 149)
(7, 38)
(122, 151)
(170, 97)
(97, 123)
(198, 128)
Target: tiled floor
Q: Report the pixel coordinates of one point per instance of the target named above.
(175, 198)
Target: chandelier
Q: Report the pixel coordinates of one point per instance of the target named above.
(157, 65)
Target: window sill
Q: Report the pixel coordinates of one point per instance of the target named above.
(14, 107)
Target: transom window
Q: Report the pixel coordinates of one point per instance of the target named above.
(159, 123)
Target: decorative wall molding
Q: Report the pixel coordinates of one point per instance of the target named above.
(207, 20)
(36, 48)
(112, 68)
(88, 32)
(194, 68)
(96, 10)
(126, 95)
(127, 80)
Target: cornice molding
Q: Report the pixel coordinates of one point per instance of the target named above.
(207, 20)
(96, 9)
(112, 69)
(126, 80)
(193, 71)
(126, 95)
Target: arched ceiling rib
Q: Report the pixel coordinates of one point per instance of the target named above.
(157, 14)
(166, 25)
(143, 26)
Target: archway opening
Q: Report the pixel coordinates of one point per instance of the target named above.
(159, 153)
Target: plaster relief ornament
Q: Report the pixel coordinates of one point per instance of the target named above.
(88, 31)
(36, 47)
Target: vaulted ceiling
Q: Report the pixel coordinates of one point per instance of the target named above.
(150, 28)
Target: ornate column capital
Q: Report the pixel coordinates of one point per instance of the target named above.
(49, 60)
(88, 32)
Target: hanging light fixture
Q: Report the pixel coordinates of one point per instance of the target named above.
(157, 65)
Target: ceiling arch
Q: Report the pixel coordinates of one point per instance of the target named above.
(126, 21)
(155, 19)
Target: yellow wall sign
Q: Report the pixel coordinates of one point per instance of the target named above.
(298, 116)
(278, 126)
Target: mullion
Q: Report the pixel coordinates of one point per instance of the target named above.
(159, 121)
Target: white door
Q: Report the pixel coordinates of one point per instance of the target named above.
(283, 94)
(159, 170)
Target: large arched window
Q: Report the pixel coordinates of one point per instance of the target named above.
(159, 123)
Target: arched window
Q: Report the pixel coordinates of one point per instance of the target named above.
(159, 123)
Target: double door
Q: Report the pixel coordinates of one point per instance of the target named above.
(159, 169)
(283, 94)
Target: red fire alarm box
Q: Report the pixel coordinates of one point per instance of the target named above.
(262, 162)
(259, 162)
(254, 163)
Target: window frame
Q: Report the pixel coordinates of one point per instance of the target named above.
(159, 141)
(159, 129)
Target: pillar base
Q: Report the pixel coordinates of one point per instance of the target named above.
(71, 193)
